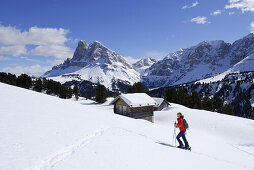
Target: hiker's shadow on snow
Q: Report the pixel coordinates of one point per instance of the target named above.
(165, 144)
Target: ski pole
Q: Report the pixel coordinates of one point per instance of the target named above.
(174, 135)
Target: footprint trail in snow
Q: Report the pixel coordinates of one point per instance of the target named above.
(59, 156)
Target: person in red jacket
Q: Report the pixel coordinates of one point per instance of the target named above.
(181, 134)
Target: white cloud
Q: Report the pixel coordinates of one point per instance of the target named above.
(14, 50)
(36, 70)
(194, 4)
(36, 36)
(252, 27)
(243, 5)
(58, 51)
(48, 42)
(3, 58)
(217, 12)
(184, 7)
(200, 20)
(231, 13)
(30, 59)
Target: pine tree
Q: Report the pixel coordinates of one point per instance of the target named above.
(24, 81)
(44, 83)
(217, 104)
(171, 95)
(69, 93)
(100, 93)
(129, 89)
(227, 109)
(195, 100)
(183, 97)
(63, 92)
(207, 104)
(137, 88)
(252, 115)
(76, 92)
(8, 78)
(38, 85)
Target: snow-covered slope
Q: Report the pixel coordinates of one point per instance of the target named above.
(42, 132)
(96, 63)
(206, 60)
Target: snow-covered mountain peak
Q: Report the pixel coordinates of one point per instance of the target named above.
(143, 64)
(80, 51)
(95, 62)
(83, 43)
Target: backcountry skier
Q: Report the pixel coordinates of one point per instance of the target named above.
(182, 125)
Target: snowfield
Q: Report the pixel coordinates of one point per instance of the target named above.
(42, 132)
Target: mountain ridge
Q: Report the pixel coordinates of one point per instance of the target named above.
(204, 60)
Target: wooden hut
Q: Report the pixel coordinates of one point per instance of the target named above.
(134, 105)
(160, 104)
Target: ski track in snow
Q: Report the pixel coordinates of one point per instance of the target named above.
(61, 155)
(242, 150)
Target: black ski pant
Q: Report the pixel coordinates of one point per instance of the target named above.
(181, 134)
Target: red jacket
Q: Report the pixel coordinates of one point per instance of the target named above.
(180, 124)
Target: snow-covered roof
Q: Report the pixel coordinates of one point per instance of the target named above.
(158, 101)
(136, 99)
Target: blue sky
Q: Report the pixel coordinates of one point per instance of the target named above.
(36, 34)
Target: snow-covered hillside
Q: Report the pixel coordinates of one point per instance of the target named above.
(95, 63)
(42, 132)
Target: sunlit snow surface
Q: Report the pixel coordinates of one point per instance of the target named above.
(42, 132)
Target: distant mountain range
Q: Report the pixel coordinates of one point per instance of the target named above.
(211, 60)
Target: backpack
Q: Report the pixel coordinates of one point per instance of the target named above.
(186, 125)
